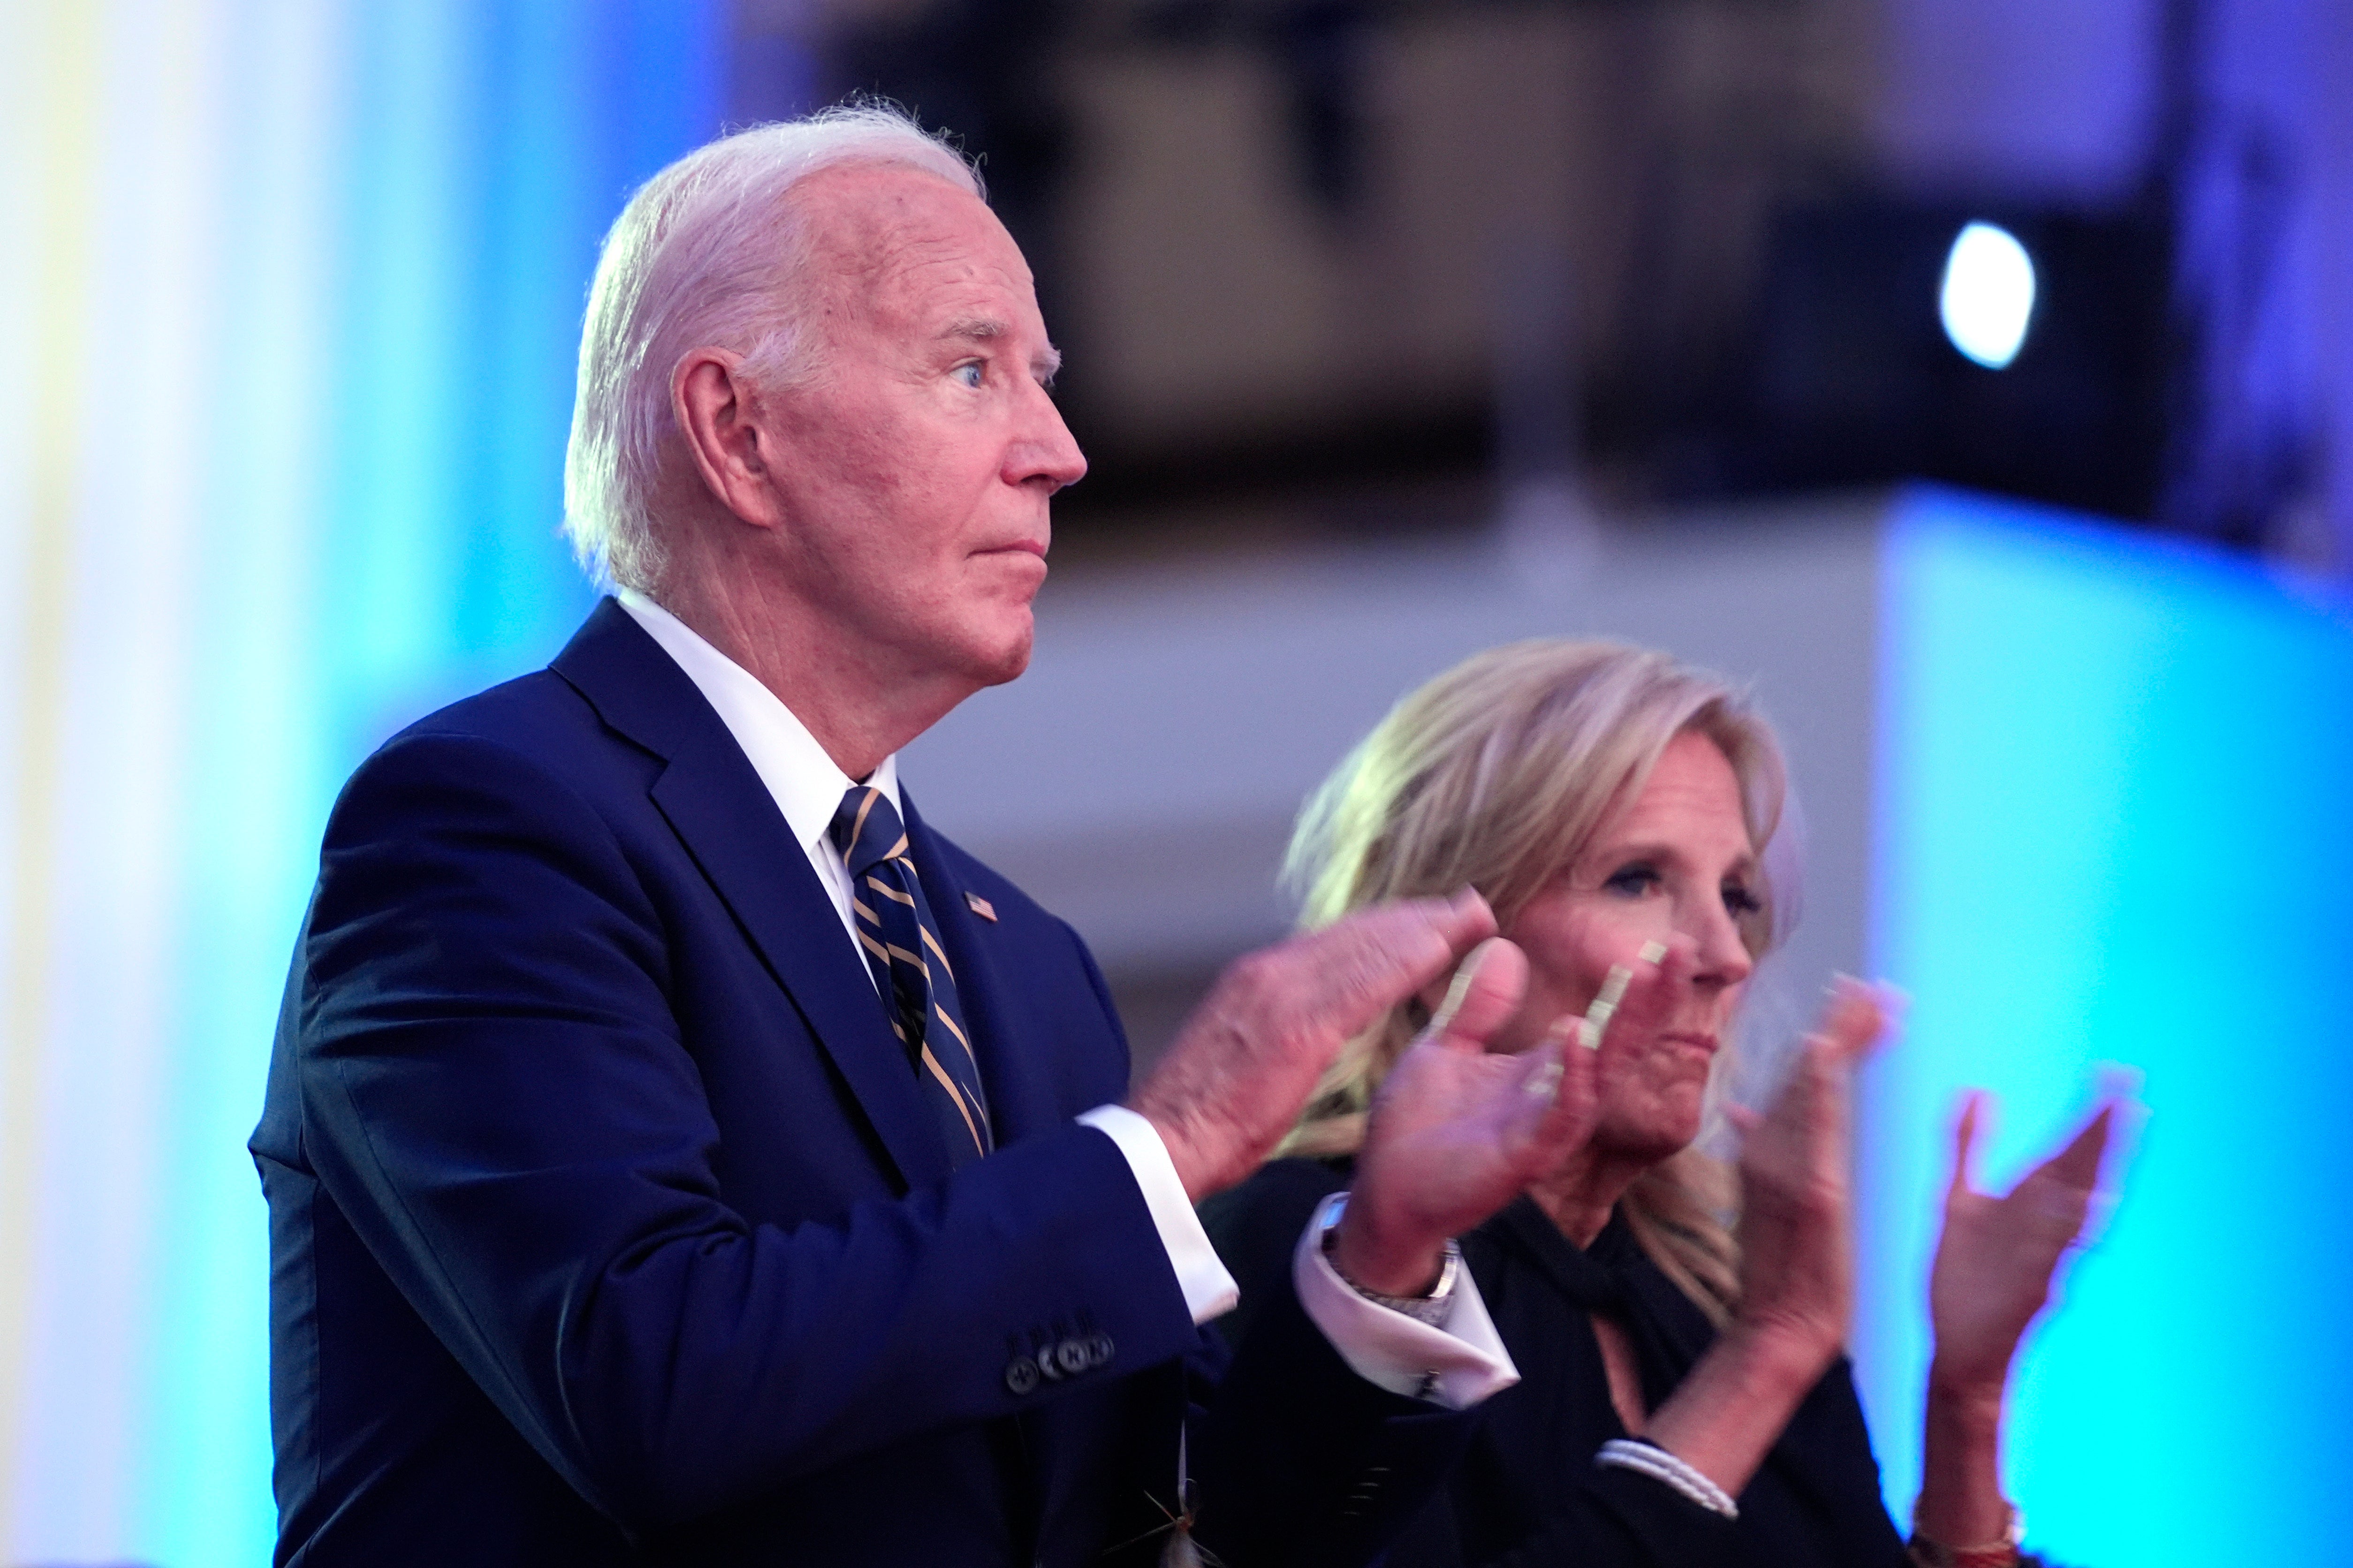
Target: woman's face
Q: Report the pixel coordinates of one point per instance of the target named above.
(1675, 867)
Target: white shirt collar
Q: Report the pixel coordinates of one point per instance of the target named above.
(801, 777)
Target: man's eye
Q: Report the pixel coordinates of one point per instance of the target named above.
(1739, 901)
(1632, 881)
(969, 372)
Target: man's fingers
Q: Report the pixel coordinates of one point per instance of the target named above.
(1551, 1102)
(1356, 969)
(1396, 949)
(1569, 1120)
(1486, 991)
(1536, 1093)
(1464, 920)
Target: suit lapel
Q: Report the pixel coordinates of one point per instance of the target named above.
(714, 801)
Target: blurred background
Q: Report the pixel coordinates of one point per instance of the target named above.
(1975, 378)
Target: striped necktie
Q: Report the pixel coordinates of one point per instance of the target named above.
(901, 942)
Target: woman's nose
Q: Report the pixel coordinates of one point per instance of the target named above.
(1722, 958)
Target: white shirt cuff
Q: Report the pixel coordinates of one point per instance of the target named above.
(1456, 1366)
(1209, 1290)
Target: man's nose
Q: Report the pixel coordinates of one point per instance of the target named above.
(1044, 451)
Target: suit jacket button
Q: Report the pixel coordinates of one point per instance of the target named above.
(1021, 1375)
(1071, 1357)
(1099, 1351)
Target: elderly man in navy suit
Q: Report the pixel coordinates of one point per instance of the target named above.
(676, 1153)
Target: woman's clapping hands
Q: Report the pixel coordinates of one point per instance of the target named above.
(1797, 1256)
(1796, 1251)
(1993, 1272)
(1997, 1256)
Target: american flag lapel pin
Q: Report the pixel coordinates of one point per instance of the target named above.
(980, 906)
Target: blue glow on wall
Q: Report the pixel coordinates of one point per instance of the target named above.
(491, 146)
(2114, 783)
(419, 192)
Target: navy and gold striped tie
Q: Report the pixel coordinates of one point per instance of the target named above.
(901, 942)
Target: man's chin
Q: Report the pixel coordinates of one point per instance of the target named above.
(1004, 658)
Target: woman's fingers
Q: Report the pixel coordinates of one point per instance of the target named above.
(1662, 972)
(1808, 1117)
(1551, 1102)
(1795, 1262)
(1856, 1016)
(1974, 1103)
(2060, 1192)
(1832, 1125)
(2078, 1164)
(1643, 988)
(1802, 1135)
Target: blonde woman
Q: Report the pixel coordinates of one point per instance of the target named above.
(1685, 1398)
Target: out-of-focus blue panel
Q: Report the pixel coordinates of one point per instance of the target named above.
(407, 350)
(256, 785)
(493, 145)
(2115, 823)
(586, 99)
(418, 195)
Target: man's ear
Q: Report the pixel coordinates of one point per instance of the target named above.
(717, 412)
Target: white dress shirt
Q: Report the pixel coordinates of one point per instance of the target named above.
(1456, 1366)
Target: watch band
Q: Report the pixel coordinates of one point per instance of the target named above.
(1432, 1308)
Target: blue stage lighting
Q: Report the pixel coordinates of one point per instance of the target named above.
(1986, 300)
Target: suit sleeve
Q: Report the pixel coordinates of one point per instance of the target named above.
(495, 1091)
(1304, 1463)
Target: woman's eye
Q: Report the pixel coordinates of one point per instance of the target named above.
(1632, 881)
(1739, 901)
(969, 372)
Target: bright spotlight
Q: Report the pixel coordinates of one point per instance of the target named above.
(1988, 296)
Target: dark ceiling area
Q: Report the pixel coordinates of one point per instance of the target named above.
(1669, 248)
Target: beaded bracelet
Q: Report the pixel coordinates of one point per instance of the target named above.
(2003, 1553)
(1649, 1460)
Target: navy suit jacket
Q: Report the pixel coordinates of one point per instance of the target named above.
(608, 1226)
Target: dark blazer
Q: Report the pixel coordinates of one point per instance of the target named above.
(607, 1224)
(1526, 1493)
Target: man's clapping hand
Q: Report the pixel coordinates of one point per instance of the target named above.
(1243, 1065)
(1457, 1131)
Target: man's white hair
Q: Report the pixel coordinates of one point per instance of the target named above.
(708, 253)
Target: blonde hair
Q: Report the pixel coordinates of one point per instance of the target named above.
(1494, 775)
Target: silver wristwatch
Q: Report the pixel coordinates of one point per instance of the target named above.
(1432, 1308)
